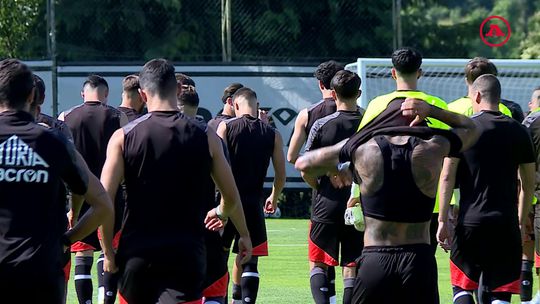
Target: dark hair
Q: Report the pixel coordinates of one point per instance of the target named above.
(346, 84)
(247, 93)
(489, 87)
(406, 60)
(326, 71)
(16, 83)
(39, 95)
(477, 67)
(130, 83)
(230, 90)
(157, 77)
(189, 96)
(183, 79)
(95, 81)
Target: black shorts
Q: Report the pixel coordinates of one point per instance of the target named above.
(172, 276)
(325, 241)
(217, 274)
(256, 225)
(32, 282)
(491, 250)
(397, 274)
(433, 227)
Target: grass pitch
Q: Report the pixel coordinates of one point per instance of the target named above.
(285, 273)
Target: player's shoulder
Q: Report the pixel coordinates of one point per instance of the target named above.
(314, 106)
(325, 121)
(532, 119)
(136, 123)
(72, 110)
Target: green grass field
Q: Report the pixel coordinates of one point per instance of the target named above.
(285, 273)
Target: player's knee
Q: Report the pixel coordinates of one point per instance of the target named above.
(250, 267)
(85, 253)
(349, 272)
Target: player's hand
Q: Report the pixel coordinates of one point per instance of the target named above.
(444, 236)
(353, 201)
(416, 108)
(342, 178)
(212, 222)
(263, 116)
(109, 263)
(72, 221)
(245, 250)
(269, 205)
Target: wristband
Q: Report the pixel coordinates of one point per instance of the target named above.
(219, 213)
(343, 166)
(65, 240)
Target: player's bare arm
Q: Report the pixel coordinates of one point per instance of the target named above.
(230, 205)
(278, 162)
(222, 132)
(320, 161)
(101, 213)
(527, 174)
(446, 189)
(299, 136)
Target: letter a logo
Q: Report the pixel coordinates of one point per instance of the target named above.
(495, 30)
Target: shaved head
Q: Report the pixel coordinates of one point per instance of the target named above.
(245, 95)
(489, 88)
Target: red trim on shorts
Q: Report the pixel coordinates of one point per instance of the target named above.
(460, 279)
(260, 250)
(351, 264)
(218, 288)
(513, 287)
(67, 270)
(116, 238)
(317, 255)
(536, 259)
(122, 299)
(80, 246)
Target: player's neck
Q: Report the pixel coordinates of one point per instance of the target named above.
(248, 111)
(227, 110)
(190, 111)
(346, 105)
(128, 103)
(406, 84)
(158, 104)
(326, 94)
(484, 106)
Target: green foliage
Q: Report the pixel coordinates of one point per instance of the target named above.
(530, 47)
(17, 17)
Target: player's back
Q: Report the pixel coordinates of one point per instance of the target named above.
(34, 163)
(319, 110)
(214, 122)
(92, 125)
(167, 165)
(487, 173)
(131, 114)
(250, 144)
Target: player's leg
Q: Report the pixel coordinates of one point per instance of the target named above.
(464, 270)
(536, 299)
(323, 249)
(418, 274)
(527, 264)
(217, 275)
(135, 284)
(352, 244)
(107, 282)
(83, 272)
(374, 281)
(331, 273)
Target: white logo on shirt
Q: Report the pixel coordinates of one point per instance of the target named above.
(19, 163)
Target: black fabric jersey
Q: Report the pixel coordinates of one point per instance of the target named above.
(54, 123)
(167, 169)
(34, 164)
(92, 125)
(487, 172)
(214, 122)
(319, 110)
(329, 203)
(250, 143)
(532, 122)
(515, 109)
(131, 114)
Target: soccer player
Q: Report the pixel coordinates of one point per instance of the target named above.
(132, 104)
(35, 162)
(251, 144)
(228, 106)
(328, 232)
(166, 159)
(475, 68)
(406, 71)
(92, 125)
(490, 211)
(533, 124)
(307, 117)
(399, 168)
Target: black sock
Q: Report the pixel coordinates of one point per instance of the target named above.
(348, 285)
(501, 296)
(110, 284)
(236, 292)
(462, 296)
(99, 266)
(211, 300)
(83, 278)
(319, 285)
(331, 273)
(250, 282)
(526, 291)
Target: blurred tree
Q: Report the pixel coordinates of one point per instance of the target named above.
(17, 17)
(530, 47)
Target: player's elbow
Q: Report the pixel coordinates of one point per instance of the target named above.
(291, 158)
(301, 164)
